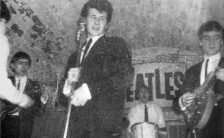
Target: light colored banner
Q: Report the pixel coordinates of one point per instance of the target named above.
(163, 79)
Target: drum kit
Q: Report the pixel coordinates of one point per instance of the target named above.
(145, 130)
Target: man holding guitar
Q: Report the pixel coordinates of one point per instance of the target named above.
(8, 91)
(211, 42)
(19, 121)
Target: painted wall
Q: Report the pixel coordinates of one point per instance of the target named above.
(157, 31)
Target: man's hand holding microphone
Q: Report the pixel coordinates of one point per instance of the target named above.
(80, 95)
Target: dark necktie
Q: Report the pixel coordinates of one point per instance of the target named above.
(86, 50)
(18, 84)
(146, 113)
(206, 68)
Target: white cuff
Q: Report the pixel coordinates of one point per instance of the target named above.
(182, 107)
(83, 92)
(81, 95)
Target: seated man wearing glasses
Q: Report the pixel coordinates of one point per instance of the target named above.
(19, 121)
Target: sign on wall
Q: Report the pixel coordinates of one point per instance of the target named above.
(164, 81)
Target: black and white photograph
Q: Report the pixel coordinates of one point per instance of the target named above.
(112, 69)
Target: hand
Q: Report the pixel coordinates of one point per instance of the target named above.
(73, 75)
(27, 103)
(44, 98)
(187, 98)
(30, 103)
(218, 97)
(220, 74)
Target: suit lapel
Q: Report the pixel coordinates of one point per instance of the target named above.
(198, 73)
(12, 78)
(99, 44)
(198, 70)
(221, 62)
(28, 87)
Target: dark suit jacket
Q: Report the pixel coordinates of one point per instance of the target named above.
(214, 128)
(26, 116)
(107, 71)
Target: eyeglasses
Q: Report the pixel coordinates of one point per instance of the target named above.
(22, 63)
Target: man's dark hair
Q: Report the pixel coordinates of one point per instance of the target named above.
(100, 5)
(20, 55)
(5, 13)
(210, 26)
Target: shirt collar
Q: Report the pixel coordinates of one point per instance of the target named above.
(213, 57)
(21, 78)
(149, 103)
(94, 38)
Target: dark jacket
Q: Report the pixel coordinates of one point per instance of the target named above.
(214, 128)
(26, 116)
(107, 71)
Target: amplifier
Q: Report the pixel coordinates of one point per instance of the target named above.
(176, 129)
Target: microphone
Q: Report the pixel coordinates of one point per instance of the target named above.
(79, 33)
(81, 29)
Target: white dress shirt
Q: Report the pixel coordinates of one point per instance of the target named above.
(20, 83)
(212, 64)
(8, 91)
(137, 114)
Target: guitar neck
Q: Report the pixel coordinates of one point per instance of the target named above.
(208, 84)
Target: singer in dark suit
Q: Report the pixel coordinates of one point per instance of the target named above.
(19, 123)
(105, 73)
(211, 42)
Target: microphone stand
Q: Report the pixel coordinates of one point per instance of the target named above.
(79, 42)
(67, 119)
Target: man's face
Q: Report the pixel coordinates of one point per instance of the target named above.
(211, 42)
(2, 26)
(96, 22)
(21, 67)
(144, 95)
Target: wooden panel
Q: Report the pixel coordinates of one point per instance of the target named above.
(176, 129)
(50, 124)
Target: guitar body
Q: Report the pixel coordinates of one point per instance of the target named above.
(7, 108)
(198, 113)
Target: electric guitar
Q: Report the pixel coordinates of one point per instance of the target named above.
(7, 108)
(198, 113)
